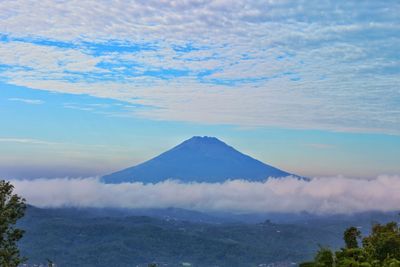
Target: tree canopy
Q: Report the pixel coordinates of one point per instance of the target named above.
(380, 249)
(12, 208)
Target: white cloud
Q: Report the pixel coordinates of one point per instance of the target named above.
(320, 195)
(26, 141)
(45, 60)
(316, 64)
(27, 101)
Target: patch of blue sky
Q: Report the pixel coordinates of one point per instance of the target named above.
(55, 100)
(167, 73)
(117, 46)
(4, 38)
(90, 77)
(93, 48)
(8, 91)
(19, 67)
(4, 67)
(233, 82)
(119, 65)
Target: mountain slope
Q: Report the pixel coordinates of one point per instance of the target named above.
(199, 159)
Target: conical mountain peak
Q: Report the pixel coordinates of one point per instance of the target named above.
(204, 140)
(198, 159)
(202, 143)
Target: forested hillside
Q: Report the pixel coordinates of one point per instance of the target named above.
(73, 237)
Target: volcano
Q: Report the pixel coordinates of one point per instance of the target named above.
(198, 159)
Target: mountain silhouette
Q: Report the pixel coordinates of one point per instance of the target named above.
(198, 159)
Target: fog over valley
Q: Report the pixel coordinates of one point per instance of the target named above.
(328, 195)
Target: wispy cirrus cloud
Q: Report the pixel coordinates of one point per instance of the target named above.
(323, 65)
(26, 141)
(27, 101)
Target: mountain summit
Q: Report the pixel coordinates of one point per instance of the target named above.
(198, 159)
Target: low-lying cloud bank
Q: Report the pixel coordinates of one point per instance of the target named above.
(319, 195)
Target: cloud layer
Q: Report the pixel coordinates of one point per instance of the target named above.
(315, 64)
(320, 195)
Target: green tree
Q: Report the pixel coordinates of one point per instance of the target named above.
(12, 208)
(384, 242)
(351, 257)
(324, 258)
(350, 237)
(380, 249)
(391, 263)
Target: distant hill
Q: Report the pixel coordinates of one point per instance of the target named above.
(198, 159)
(91, 237)
(72, 237)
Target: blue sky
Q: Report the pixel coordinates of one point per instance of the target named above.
(90, 87)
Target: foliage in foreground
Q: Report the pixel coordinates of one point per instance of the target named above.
(12, 208)
(380, 249)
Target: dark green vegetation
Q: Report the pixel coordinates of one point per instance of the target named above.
(12, 208)
(379, 249)
(83, 237)
(76, 240)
